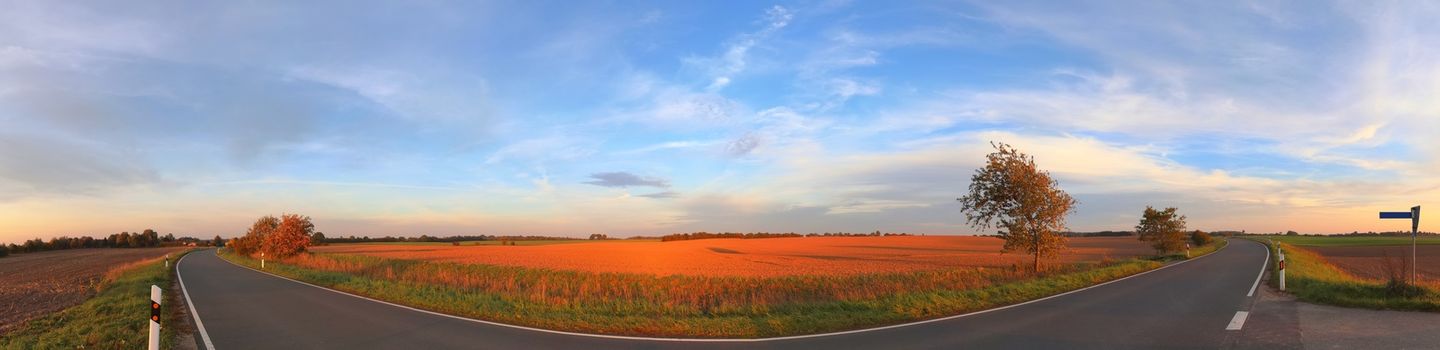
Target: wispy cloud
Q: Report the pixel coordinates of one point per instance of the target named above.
(625, 179)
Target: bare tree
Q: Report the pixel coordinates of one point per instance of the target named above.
(1024, 202)
(1165, 229)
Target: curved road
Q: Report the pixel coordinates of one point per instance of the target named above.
(1184, 306)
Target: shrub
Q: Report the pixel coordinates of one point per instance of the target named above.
(290, 237)
(1200, 238)
(4, 251)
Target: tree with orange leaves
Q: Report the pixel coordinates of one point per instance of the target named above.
(290, 237)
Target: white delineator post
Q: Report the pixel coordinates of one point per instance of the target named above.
(262, 260)
(1281, 265)
(154, 317)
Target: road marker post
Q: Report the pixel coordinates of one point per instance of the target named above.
(154, 318)
(1281, 266)
(262, 260)
(1414, 216)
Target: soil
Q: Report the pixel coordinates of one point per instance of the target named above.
(35, 284)
(1369, 262)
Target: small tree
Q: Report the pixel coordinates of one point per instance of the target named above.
(291, 237)
(317, 239)
(1200, 238)
(1013, 194)
(1164, 229)
(218, 242)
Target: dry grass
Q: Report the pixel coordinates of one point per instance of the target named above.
(811, 256)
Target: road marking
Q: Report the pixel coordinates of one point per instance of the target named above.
(717, 340)
(1238, 321)
(1262, 271)
(205, 337)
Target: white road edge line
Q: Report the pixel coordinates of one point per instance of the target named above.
(205, 337)
(1238, 321)
(1262, 271)
(717, 340)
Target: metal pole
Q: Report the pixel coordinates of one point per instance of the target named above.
(154, 317)
(1414, 235)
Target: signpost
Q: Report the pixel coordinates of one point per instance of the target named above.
(1414, 216)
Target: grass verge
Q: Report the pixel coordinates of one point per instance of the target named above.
(687, 306)
(115, 318)
(1312, 279)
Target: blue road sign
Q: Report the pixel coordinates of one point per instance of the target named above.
(1395, 215)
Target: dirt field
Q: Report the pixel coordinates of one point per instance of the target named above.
(1368, 261)
(35, 284)
(754, 257)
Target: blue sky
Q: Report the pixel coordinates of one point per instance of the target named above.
(627, 118)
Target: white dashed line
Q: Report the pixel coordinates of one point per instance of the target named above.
(1238, 321)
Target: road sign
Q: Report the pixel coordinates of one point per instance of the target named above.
(1395, 215)
(1414, 216)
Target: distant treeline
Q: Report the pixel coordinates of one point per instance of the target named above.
(428, 238)
(148, 238)
(708, 235)
(1099, 234)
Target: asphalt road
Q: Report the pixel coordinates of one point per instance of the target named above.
(1184, 306)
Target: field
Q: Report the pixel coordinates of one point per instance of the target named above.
(1369, 261)
(710, 288)
(36, 284)
(1365, 257)
(1351, 276)
(1350, 241)
(769, 257)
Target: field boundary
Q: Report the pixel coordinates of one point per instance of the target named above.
(199, 326)
(718, 340)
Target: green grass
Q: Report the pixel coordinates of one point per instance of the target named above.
(1312, 279)
(1341, 241)
(495, 242)
(687, 306)
(116, 317)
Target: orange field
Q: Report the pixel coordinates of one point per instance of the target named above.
(755, 257)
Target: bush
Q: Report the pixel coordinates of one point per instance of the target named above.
(1200, 238)
(290, 237)
(4, 251)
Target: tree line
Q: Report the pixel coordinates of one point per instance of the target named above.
(144, 239)
(754, 235)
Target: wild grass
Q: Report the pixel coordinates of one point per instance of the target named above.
(115, 318)
(687, 306)
(1310, 278)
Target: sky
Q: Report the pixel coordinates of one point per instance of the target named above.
(644, 118)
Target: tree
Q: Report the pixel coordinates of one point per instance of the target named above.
(218, 242)
(254, 238)
(290, 237)
(1164, 229)
(318, 238)
(1200, 238)
(169, 237)
(4, 251)
(1292, 233)
(1012, 194)
(123, 241)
